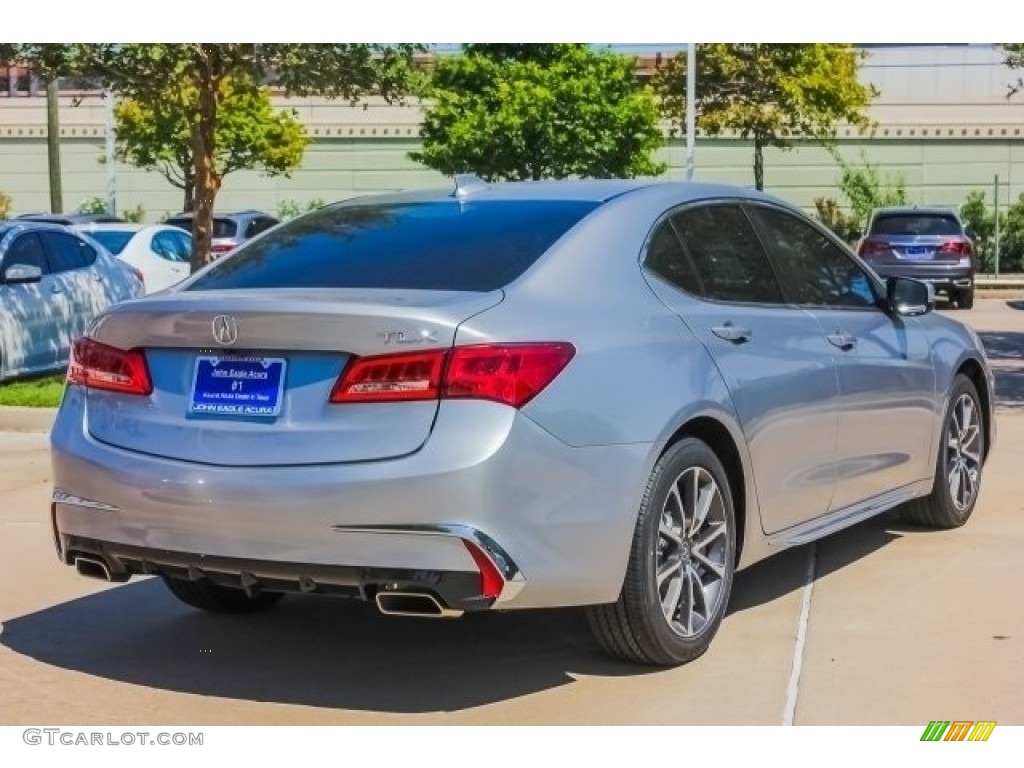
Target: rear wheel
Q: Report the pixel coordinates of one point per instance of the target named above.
(965, 298)
(218, 599)
(959, 463)
(680, 570)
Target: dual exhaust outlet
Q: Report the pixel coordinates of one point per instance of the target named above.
(389, 603)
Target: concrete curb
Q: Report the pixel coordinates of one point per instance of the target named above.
(21, 419)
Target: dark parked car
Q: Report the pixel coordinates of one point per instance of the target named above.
(927, 244)
(230, 229)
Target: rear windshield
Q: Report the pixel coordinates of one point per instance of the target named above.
(915, 224)
(221, 227)
(448, 246)
(113, 240)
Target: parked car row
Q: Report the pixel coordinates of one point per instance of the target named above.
(58, 271)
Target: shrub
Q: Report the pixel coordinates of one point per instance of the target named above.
(93, 205)
(136, 214)
(289, 209)
(6, 206)
(831, 214)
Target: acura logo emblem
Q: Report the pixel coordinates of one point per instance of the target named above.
(225, 330)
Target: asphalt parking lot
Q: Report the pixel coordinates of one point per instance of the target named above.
(903, 626)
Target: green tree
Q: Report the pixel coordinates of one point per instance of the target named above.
(157, 135)
(1014, 59)
(535, 111)
(863, 189)
(141, 72)
(770, 94)
(980, 221)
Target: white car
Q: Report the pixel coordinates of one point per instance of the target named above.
(160, 252)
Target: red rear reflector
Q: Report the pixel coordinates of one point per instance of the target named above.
(958, 247)
(512, 374)
(870, 248)
(491, 580)
(99, 366)
(414, 376)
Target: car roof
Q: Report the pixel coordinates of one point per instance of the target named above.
(582, 190)
(221, 214)
(68, 218)
(110, 226)
(915, 210)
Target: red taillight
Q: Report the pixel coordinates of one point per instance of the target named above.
(957, 248)
(872, 248)
(99, 366)
(512, 374)
(491, 580)
(414, 376)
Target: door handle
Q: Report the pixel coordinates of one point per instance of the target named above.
(55, 288)
(733, 333)
(842, 340)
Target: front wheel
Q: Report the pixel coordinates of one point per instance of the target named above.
(958, 465)
(680, 570)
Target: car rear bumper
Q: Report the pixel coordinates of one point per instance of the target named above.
(944, 278)
(556, 521)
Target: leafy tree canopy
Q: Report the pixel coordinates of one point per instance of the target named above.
(770, 93)
(157, 135)
(531, 111)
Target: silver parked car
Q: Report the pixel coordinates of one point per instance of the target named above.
(52, 284)
(583, 393)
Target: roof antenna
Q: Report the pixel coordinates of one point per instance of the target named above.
(468, 183)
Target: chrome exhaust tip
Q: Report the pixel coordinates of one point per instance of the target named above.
(420, 604)
(92, 567)
(97, 568)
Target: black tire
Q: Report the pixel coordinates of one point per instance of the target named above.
(965, 299)
(635, 627)
(940, 509)
(218, 599)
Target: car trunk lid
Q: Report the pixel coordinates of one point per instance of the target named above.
(243, 378)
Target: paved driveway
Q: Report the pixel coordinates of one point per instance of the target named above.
(895, 626)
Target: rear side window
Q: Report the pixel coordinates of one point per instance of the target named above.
(27, 250)
(727, 255)
(444, 245)
(262, 224)
(221, 227)
(113, 240)
(915, 224)
(67, 252)
(666, 257)
(172, 246)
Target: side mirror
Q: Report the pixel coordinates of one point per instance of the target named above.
(22, 273)
(909, 298)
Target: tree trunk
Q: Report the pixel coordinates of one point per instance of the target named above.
(189, 188)
(758, 163)
(207, 180)
(53, 145)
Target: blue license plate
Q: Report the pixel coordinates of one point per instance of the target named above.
(242, 386)
(917, 252)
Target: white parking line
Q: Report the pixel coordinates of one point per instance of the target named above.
(793, 689)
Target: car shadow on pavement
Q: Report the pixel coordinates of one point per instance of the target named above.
(1005, 351)
(786, 572)
(310, 651)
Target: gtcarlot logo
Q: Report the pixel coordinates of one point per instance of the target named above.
(72, 738)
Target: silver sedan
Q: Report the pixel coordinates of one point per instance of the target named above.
(609, 394)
